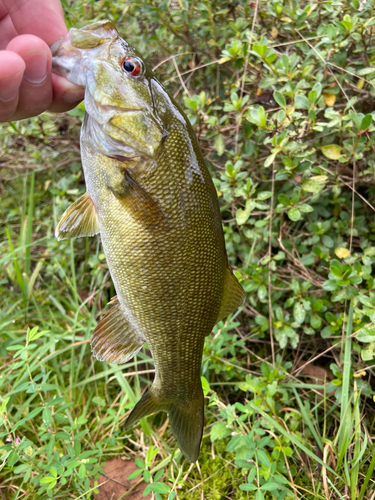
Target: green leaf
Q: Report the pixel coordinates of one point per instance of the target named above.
(135, 474)
(336, 268)
(279, 98)
(262, 292)
(159, 488)
(264, 195)
(205, 385)
(219, 431)
(313, 95)
(318, 88)
(317, 305)
(327, 241)
(16, 347)
(271, 486)
(82, 471)
(305, 208)
(366, 334)
(47, 480)
(270, 159)
(299, 312)
(47, 417)
(262, 117)
(30, 416)
(332, 151)
(21, 468)
(263, 458)
(369, 353)
(248, 487)
(366, 122)
(159, 475)
(283, 199)
(301, 102)
(294, 214)
(311, 186)
(315, 321)
(146, 476)
(13, 458)
(140, 463)
(219, 145)
(242, 216)
(259, 495)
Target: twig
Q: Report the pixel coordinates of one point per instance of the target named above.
(169, 58)
(270, 319)
(180, 78)
(350, 187)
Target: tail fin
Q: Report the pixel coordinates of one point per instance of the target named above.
(186, 418)
(187, 421)
(149, 403)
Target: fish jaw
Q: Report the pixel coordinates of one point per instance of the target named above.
(67, 61)
(70, 56)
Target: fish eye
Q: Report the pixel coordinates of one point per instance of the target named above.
(132, 66)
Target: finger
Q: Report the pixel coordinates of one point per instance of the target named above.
(7, 29)
(12, 67)
(43, 18)
(35, 93)
(66, 95)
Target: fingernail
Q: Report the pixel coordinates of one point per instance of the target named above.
(36, 68)
(71, 96)
(9, 87)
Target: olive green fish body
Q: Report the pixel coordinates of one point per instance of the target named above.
(151, 198)
(169, 278)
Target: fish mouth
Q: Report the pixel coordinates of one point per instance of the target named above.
(55, 47)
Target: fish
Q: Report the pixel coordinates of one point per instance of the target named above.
(151, 198)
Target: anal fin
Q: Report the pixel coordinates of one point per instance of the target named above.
(80, 219)
(114, 340)
(233, 296)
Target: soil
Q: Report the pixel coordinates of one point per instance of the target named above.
(116, 483)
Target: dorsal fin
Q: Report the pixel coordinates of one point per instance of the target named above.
(114, 340)
(233, 296)
(80, 219)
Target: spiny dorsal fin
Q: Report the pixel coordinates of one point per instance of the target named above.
(114, 340)
(233, 296)
(80, 219)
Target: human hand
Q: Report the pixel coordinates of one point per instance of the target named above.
(27, 85)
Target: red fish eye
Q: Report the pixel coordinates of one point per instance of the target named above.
(131, 66)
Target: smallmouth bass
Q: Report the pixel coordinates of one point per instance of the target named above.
(151, 198)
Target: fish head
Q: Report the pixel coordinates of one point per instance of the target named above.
(124, 105)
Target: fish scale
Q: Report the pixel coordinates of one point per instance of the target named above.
(151, 199)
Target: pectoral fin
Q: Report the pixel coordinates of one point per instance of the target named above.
(114, 340)
(233, 296)
(80, 219)
(135, 199)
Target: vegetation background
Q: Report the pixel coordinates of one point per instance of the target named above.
(281, 94)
